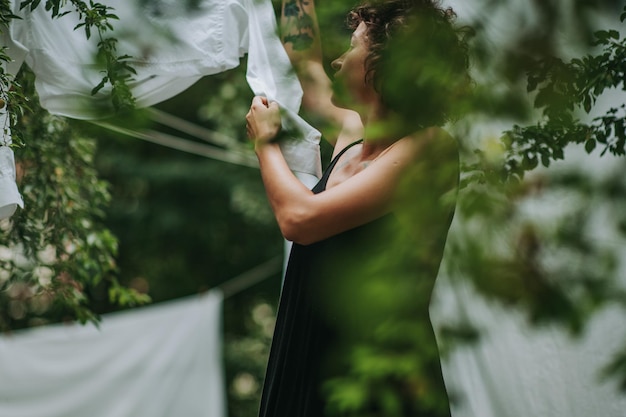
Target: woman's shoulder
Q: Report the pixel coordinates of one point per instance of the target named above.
(435, 158)
(425, 143)
(433, 139)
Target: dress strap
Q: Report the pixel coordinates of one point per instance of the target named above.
(336, 158)
(321, 185)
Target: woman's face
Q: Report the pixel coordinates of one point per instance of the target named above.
(349, 86)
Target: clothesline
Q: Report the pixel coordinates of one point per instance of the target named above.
(233, 156)
(251, 277)
(193, 129)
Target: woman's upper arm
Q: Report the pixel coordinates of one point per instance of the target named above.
(301, 40)
(360, 199)
(372, 192)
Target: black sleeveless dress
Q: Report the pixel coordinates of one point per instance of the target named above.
(306, 338)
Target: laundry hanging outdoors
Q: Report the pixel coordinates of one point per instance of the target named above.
(208, 41)
(504, 376)
(145, 352)
(163, 360)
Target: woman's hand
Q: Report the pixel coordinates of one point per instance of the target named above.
(263, 120)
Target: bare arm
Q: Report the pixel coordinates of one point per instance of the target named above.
(301, 39)
(305, 217)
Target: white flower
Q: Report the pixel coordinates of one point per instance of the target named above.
(43, 275)
(4, 276)
(245, 385)
(6, 254)
(48, 255)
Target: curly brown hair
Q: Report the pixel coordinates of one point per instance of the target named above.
(418, 60)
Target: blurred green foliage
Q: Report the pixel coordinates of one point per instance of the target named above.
(187, 224)
(57, 248)
(555, 268)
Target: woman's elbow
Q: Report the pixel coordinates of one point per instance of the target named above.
(293, 228)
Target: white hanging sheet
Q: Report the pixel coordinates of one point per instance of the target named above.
(158, 361)
(518, 369)
(10, 197)
(172, 49)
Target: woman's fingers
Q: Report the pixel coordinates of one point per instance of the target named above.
(259, 101)
(263, 119)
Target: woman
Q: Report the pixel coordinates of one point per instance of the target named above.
(354, 230)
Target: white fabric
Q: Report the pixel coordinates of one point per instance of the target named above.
(157, 361)
(517, 369)
(269, 73)
(172, 49)
(10, 197)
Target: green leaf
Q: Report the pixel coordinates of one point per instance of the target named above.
(55, 8)
(557, 153)
(601, 35)
(529, 162)
(587, 103)
(590, 145)
(33, 4)
(100, 86)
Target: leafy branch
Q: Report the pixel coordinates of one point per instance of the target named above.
(97, 18)
(13, 98)
(562, 89)
(56, 252)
